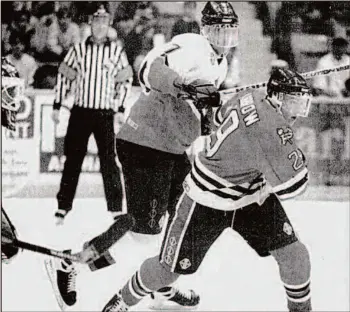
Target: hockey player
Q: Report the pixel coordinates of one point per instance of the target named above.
(251, 161)
(11, 90)
(178, 80)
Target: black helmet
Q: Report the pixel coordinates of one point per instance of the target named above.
(220, 25)
(290, 92)
(219, 13)
(12, 88)
(287, 81)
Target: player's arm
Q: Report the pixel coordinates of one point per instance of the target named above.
(284, 164)
(66, 74)
(160, 72)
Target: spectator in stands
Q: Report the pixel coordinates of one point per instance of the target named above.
(68, 33)
(124, 19)
(281, 44)
(187, 24)
(140, 40)
(346, 91)
(45, 77)
(5, 40)
(44, 41)
(333, 85)
(24, 63)
(21, 24)
(316, 19)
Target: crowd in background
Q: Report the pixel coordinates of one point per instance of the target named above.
(37, 35)
(316, 18)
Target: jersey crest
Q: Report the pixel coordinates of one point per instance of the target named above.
(286, 135)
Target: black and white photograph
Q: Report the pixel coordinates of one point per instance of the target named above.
(175, 156)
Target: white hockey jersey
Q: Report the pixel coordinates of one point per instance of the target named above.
(159, 119)
(252, 154)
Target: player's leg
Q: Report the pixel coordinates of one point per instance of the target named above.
(111, 174)
(268, 230)
(75, 146)
(188, 238)
(182, 167)
(147, 176)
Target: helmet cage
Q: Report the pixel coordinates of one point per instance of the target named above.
(297, 104)
(223, 35)
(12, 90)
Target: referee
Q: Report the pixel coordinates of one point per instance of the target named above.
(101, 75)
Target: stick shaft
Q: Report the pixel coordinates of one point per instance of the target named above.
(306, 75)
(44, 250)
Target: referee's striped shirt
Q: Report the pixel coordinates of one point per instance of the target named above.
(100, 75)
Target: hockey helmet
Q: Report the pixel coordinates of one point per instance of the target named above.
(12, 88)
(291, 90)
(220, 24)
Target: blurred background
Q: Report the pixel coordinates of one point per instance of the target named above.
(303, 35)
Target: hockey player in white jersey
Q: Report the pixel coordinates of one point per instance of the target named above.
(178, 79)
(251, 161)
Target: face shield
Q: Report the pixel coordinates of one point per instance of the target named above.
(221, 35)
(12, 90)
(297, 104)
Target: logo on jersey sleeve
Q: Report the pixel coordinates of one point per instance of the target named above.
(212, 58)
(286, 135)
(287, 228)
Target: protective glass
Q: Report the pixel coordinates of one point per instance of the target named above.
(222, 35)
(297, 104)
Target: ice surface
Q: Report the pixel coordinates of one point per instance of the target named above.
(231, 278)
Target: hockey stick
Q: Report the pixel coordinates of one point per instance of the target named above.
(40, 249)
(306, 75)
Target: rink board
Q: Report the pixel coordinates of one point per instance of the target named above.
(33, 159)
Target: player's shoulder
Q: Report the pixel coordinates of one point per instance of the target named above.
(248, 103)
(191, 41)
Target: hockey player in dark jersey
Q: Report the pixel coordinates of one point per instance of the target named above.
(250, 162)
(11, 90)
(179, 79)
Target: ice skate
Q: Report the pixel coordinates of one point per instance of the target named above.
(171, 298)
(62, 275)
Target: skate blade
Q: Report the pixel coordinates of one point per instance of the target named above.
(51, 272)
(164, 307)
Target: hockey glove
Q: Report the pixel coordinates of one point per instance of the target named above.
(8, 236)
(203, 93)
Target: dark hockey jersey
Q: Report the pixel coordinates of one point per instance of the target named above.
(251, 154)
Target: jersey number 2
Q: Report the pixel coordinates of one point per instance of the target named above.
(298, 159)
(229, 125)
